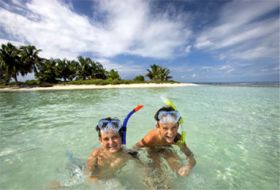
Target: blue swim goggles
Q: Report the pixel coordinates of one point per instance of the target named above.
(168, 116)
(106, 125)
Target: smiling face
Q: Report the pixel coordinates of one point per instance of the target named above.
(168, 131)
(111, 141)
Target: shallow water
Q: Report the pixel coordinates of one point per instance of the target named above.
(233, 132)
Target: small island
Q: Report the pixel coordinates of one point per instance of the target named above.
(64, 74)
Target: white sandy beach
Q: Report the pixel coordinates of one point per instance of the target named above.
(78, 87)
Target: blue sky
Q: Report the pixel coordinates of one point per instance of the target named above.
(198, 40)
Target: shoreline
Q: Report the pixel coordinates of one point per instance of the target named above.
(90, 86)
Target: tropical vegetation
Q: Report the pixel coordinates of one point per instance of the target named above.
(139, 78)
(23, 60)
(158, 73)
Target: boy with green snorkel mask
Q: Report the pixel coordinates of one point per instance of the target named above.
(159, 142)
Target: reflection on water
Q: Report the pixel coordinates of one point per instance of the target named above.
(233, 132)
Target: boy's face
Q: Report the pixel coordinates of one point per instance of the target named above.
(110, 141)
(168, 131)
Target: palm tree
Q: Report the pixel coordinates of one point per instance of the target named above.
(153, 71)
(10, 58)
(3, 73)
(98, 71)
(73, 68)
(164, 74)
(89, 69)
(84, 71)
(62, 69)
(114, 75)
(66, 69)
(158, 73)
(29, 58)
(47, 71)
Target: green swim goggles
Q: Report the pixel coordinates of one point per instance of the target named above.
(106, 124)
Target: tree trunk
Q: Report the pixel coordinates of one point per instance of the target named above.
(15, 77)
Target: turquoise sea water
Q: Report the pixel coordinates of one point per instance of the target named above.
(233, 132)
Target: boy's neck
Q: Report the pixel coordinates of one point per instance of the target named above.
(114, 153)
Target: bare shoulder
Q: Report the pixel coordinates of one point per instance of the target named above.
(151, 134)
(151, 137)
(95, 153)
(92, 160)
(147, 140)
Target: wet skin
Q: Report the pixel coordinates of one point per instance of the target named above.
(110, 157)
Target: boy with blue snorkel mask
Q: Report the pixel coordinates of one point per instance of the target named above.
(159, 140)
(111, 156)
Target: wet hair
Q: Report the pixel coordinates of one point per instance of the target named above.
(109, 119)
(164, 108)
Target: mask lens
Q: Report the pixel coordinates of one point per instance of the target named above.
(102, 124)
(168, 116)
(114, 124)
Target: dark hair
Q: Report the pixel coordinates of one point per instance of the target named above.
(164, 108)
(168, 108)
(109, 119)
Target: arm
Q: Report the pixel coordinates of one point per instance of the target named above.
(92, 164)
(147, 141)
(140, 144)
(185, 170)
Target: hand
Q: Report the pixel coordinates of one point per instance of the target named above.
(54, 184)
(184, 170)
(132, 152)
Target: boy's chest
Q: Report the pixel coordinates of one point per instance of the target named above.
(111, 162)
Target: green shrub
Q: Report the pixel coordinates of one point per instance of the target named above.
(32, 82)
(112, 82)
(139, 78)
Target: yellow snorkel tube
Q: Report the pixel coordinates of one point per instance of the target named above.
(182, 140)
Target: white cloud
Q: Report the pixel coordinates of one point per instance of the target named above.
(17, 2)
(254, 53)
(125, 69)
(242, 27)
(248, 33)
(203, 42)
(226, 68)
(57, 35)
(129, 27)
(239, 12)
(15, 43)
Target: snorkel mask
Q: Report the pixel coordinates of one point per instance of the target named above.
(115, 124)
(109, 124)
(180, 120)
(168, 116)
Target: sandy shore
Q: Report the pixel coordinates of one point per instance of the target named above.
(77, 87)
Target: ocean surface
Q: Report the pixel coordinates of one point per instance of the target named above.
(233, 132)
